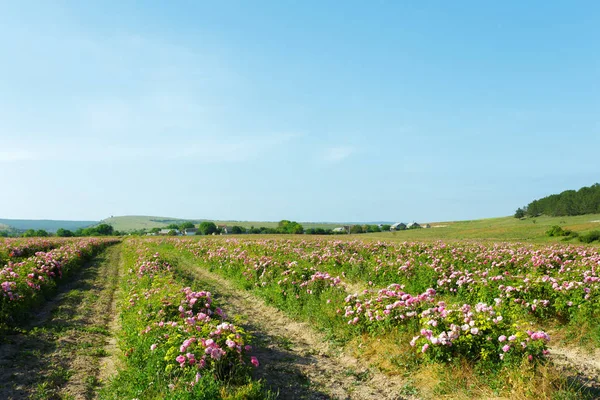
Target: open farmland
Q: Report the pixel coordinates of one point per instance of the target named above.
(300, 317)
(133, 222)
(498, 229)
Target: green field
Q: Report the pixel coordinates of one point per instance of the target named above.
(497, 229)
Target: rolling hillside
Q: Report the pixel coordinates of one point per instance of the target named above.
(498, 229)
(45, 224)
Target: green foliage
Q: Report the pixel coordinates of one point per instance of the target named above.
(590, 237)
(373, 228)
(100, 230)
(237, 230)
(35, 233)
(356, 229)
(385, 227)
(289, 227)
(29, 233)
(557, 231)
(64, 233)
(570, 202)
(207, 228)
(520, 213)
(186, 225)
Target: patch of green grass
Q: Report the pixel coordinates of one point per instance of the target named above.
(98, 353)
(96, 329)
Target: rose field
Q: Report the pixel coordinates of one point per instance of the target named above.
(268, 317)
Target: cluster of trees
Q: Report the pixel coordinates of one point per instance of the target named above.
(283, 227)
(570, 202)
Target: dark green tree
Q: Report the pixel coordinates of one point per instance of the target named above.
(356, 229)
(186, 225)
(520, 213)
(104, 230)
(207, 228)
(237, 230)
(64, 233)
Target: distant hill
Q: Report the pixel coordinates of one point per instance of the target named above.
(135, 222)
(45, 224)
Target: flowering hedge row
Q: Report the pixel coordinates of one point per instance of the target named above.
(26, 283)
(524, 285)
(15, 248)
(177, 341)
(557, 281)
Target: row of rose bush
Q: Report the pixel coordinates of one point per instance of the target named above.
(177, 342)
(27, 283)
(15, 248)
(558, 281)
(318, 296)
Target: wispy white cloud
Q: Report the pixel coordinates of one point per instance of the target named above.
(338, 154)
(206, 150)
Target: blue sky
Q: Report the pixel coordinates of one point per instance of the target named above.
(303, 110)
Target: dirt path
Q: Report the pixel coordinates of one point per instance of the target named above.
(295, 360)
(58, 354)
(579, 365)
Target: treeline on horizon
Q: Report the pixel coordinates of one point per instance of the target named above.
(284, 227)
(570, 202)
(99, 230)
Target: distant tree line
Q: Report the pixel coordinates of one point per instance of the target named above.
(570, 202)
(99, 230)
(204, 228)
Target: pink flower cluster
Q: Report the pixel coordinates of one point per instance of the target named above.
(390, 304)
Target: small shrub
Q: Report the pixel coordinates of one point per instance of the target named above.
(590, 237)
(557, 231)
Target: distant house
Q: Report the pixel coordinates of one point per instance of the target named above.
(398, 226)
(168, 231)
(339, 229)
(426, 226)
(413, 225)
(190, 231)
(225, 230)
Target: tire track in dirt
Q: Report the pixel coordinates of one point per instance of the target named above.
(296, 361)
(108, 364)
(57, 354)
